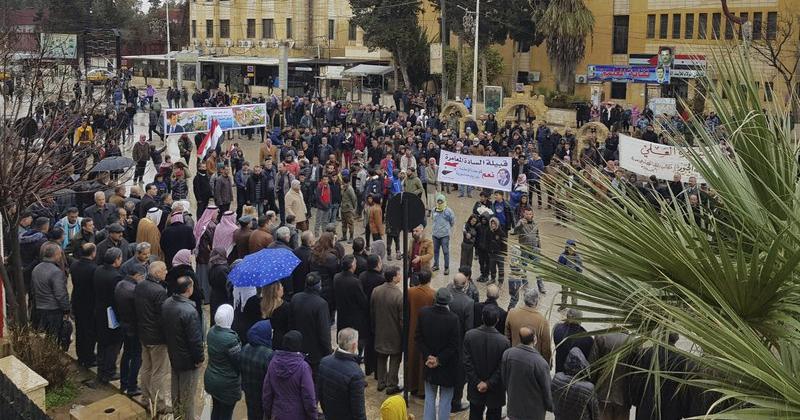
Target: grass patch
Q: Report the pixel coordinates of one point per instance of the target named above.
(61, 396)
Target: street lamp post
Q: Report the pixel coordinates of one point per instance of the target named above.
(169, 60)
(475, 61)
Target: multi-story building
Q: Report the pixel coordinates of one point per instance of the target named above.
(633, 32)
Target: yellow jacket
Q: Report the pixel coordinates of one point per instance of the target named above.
(80, 138)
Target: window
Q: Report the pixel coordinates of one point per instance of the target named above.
(351, 31)
(209, 28)
(619, 90)
(194, 28)
(331, 28)
(716, 22)
(289, 28)
(744, 17)
(267, 28)
(768, 92)
(728, 29)
(620, 41)
(676, 26)
(662, 26)
(224, 28)
(702, 26)
(757, 26)
(651, 26)
(772, 25)
(251, 28)
(688, 33)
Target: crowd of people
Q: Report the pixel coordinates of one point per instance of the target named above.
(143, 267)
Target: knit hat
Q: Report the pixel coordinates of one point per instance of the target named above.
(443, 296)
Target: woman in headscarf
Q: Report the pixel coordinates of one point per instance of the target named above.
(246, 308)
(432, 172)
(519, 189)
(394, 408)
(182, 266)
(288, 391)
(276, 310)
(218, 280)
(204, 232)
(222, 379)
(256, 355)
(223, 234)
(148, 231)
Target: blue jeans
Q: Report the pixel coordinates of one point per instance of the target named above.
(464, 190)
(334, 211)
(528, 259)
(130, 363)
(444, 244)
(445, 398)
(514, 287)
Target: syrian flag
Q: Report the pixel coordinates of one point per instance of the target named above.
(211, 140)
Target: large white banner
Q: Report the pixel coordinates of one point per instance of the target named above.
(193, 120)
(663, 161)
(479, 171)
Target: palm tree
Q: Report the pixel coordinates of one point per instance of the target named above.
(726, 277)
(566, 24)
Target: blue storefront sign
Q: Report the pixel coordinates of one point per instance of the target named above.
(629, 74)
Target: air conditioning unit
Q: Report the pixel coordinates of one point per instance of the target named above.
(581, 79)
(209, 43)
(228, 43)
(248, 43)
(262, 44)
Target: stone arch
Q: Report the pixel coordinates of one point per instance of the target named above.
(461, 111)
(534, 104)
(594, 128)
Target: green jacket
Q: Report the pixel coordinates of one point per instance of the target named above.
(222, 379)
(348, 199)
(413, 186)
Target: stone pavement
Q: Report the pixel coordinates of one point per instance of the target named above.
(553, 238)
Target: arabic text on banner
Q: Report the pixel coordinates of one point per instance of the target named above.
(194, 120)
(477, 171)
(661, 160)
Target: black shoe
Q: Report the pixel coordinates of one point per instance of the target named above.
(482, 279)
(381, 387)
(434, 269)
(458, 407)
(393, 390)
(133, 392)
(446, 271)
(114, 377)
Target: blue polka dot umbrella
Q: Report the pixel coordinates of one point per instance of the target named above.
(263, 268)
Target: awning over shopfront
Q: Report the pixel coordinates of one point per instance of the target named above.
(249, 61)
(363, 70)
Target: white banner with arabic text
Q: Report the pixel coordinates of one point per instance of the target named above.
(661, 160)
(479, 171)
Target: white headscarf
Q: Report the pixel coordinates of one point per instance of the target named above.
(154, 214)
(224, 316)
(241, 294)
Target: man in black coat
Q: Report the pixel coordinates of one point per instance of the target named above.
(82, 272)
(109, 340)
(149, 199)
(177, 236)
(201, 186)
(437, 339)
(352, 302)
(463, 306)
(492, 294)
(483, 352)
(303, 253)
(310, 316)
(369, 280)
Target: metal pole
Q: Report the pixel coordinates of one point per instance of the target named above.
(475, 61)
(406, 315)
(443, 38)
(169, 48)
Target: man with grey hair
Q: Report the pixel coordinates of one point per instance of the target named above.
(50, 296)
(100, 210)
(341, 380)
(463, 306)
(492, 295)
(109, 340)
(528, 316)
(282, 237)
(141, 256)
(126, 313)
(295, 205)
(149, 295)
(564, 337)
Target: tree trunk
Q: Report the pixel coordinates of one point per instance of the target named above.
(404, 70)
(512, 80)
(395, 76)
(13, 281)
(459, 51)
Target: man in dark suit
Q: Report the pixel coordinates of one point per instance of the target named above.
(483, 352)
